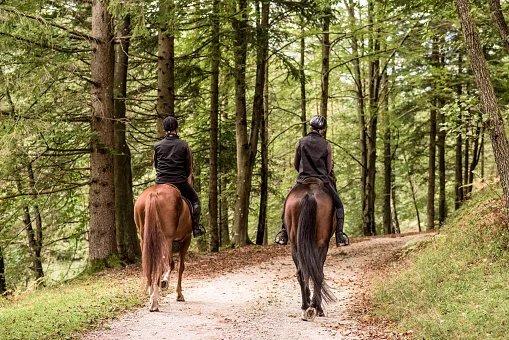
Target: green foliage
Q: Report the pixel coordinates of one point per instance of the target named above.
(65, 310)
(456, 286)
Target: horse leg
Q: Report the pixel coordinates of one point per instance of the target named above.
(168, 267)
(318, 286)
(304, 286)
(184, 246)
(153, 290)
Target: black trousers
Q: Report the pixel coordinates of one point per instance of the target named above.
(188, 192)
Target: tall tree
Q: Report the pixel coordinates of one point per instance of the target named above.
(430, 224)
(441, 134)
(263, 48)
(498, 18)
(458, 168)
(127, 236)
(165, 64)
(102, 239)
(214, 230)
(494, 123)
(246, 144)
(326, 47)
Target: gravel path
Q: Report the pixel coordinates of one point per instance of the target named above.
(262, 301)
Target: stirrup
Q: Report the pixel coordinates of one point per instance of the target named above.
(346, 241)
(199, 231)
(280, 238)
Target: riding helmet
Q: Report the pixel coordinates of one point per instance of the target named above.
(318, 122)
(170, 124)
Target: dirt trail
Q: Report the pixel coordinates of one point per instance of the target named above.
(262, 301)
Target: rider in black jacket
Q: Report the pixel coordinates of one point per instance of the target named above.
(173, 161)
(313, 158)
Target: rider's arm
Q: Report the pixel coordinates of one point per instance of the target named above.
(329, 158)
(296, 157)
(154, 159)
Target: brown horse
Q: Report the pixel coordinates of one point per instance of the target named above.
(162, 216)
(310, 220)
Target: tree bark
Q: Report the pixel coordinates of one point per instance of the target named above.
(498, 18)
(361, 119)
(246, 145)
(102, 239)
(387, 207)
(324, 96)
(263, 47)
(127, 235)
(373, 92)
(3, 286)
(458, 168)
(165, 65)
(430, 224)
(303, 114)
(442, 204)
(494, 123)
(214, 231)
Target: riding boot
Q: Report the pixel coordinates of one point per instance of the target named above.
(282, 236)
(341, 238)
(198, 230)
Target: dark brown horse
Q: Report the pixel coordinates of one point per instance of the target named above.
(310, 220)
(162, 217)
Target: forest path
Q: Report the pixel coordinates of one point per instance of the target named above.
(254, 294)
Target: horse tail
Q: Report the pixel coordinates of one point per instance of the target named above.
(154, 242)
(308, 252)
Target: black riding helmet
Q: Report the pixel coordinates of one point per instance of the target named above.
(170, 124)
(318, 123)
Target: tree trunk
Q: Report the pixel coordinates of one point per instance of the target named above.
(374, 91)
(165, 65)
(32, 237)
(432, 140)
(359, 91)
(387, 207)
(458, 168)
(498, 18)
(324, 97)
(394, 211)
(263, 47)
(224, 218)
(3, 286)
(246, 147)
(494, 124)
(412, 187)
(303, 114)
(102, 240)
(442, 207)
(127, 235)
(214, 126)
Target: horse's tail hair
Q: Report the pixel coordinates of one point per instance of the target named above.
(155, 251)
(308, 252)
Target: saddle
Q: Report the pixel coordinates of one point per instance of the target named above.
(188, 202)
(313, 180)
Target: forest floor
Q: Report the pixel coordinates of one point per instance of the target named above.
(252, 293)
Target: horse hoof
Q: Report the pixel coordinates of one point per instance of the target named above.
(154, 309)
(310, 314)
(181, 298)
(320, 313)
(164, 285)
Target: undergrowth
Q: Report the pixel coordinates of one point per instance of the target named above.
(64, 311)
(456, 287)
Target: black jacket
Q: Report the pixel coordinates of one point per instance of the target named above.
(313, 157)
(173, 160)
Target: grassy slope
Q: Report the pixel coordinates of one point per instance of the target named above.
(61, 312)
(457, 285)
